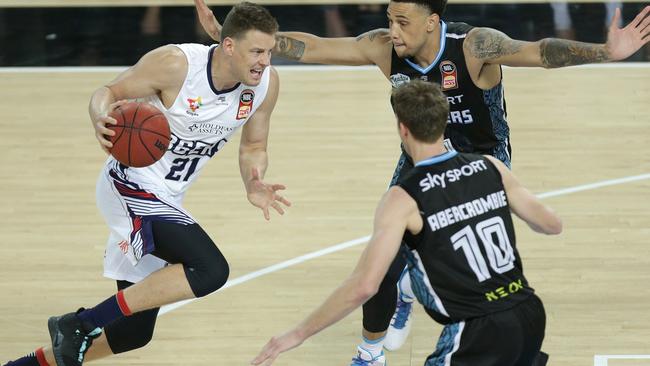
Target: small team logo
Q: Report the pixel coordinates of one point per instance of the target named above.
(195, 104)
(245, 103)
(124, 246)
(221, 100)
(399, 79)
(449, 75)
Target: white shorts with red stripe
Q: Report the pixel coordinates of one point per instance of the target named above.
(129, 211)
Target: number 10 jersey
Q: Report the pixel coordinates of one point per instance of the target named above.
(464, 262)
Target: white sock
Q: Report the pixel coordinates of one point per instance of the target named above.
(374, 347)
(404, 285)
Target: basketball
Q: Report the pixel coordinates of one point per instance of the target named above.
(141, 134)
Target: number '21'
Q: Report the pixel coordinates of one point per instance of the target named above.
(178, 167)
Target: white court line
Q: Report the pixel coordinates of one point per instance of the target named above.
(601, 360)
(117, 69)
(303, 258)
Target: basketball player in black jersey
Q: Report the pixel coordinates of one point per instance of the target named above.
(453, 212)
(466, 61)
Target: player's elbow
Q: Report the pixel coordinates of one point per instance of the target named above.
(366, 289)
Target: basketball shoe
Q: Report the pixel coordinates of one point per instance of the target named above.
(400, 324)
(364, 358)
(71, 338)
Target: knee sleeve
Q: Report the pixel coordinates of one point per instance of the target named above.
(205, 267)
(379, 309)
(208, 275)
(132, 332)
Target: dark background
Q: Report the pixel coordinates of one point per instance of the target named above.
(119, 36)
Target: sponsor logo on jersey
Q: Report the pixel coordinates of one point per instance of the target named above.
(210, 128)
(452, 175)
(449, 75)
(245, 103)
(194, 104)
(399, 79)
(504, 291)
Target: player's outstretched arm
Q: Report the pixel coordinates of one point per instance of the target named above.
(253, 158)
(490, 46)
(371, 48)
(160, 71)
(396, 213)
(525, 205)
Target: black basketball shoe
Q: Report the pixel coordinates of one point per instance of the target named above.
(71, 338)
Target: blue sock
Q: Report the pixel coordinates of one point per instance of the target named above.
(104, 313)
(30, 360)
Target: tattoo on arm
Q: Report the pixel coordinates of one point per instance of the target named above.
(289, 48)
(488, 44)
(561, 52)
(371, 35)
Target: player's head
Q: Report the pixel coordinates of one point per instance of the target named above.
(248, 35)
(421, 110)
(412, 23)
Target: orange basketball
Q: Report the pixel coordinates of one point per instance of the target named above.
(141, 134)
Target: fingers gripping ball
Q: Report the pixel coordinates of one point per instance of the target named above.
(141, 134)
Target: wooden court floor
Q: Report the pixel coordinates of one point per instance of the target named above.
(333, 144)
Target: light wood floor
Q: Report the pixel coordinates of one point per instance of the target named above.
(333, 144)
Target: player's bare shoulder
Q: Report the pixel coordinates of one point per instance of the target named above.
(172, 60)
(377, 46)
(376, 39)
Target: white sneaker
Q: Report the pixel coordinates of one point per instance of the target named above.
(364, 358)
(400, 325)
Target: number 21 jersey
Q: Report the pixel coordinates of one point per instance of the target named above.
(202, 119)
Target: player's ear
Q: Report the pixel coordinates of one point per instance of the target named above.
(403, 130)
(433, 21)
(228, 45)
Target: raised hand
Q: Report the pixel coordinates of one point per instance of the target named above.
(264, 195)
(623, 42)
(208, 20)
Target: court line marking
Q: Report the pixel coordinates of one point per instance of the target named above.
(601, 360)
(338, 247)
(115, 69)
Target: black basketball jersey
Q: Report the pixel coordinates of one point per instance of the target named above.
(477, 118)
(464, 263)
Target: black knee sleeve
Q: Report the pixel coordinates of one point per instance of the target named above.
(205, 267)
(379, 309)
(132, 332)
(208, 275)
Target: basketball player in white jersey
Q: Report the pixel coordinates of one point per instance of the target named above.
(156, 251)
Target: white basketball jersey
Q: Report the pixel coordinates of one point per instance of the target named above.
(201, 121)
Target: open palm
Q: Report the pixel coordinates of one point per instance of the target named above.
(623, 42)
(265, 195)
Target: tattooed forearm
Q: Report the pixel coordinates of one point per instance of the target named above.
(488, 44)
(561, 52)
(371, 35)
(289, 48)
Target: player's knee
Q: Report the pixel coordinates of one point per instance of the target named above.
(209, 275)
